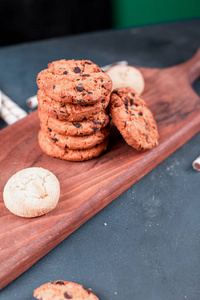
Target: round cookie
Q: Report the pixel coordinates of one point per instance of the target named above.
(62, 290)
(133, 119)
(50, 148)
(74, 81)
(76, 142)
(31, 192)
(69, 112)
(126, 76)
(87, 127)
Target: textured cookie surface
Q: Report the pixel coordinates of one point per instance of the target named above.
(69, 112)
(76, 142)
(62, 290)
(126, 76)
(74, 81)
(31, 192)
(133, 119)
(89, 126)
(50, 148)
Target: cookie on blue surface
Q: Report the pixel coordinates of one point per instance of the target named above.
(62, 290)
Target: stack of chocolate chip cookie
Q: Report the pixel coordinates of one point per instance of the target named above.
(73, 98)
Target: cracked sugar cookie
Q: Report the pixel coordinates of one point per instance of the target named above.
(126, 76)
(31, 192)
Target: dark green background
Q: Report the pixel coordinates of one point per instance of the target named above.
(131, 13)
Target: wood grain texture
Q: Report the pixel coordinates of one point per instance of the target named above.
(87, 187)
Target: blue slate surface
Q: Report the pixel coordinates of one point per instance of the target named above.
(145, 244)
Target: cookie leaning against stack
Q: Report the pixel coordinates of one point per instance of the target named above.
(133, 119)
(72, 103)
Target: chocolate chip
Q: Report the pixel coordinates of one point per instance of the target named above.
(132, 114)
(56, 116)
(77, 70)
(90, 291)
(66, 147)
(95, 129)
(126, 105)
(95, 122)
(95, 81)
(88, 62)
(67, 296)
(133, 94)
(131, 101)
(54, 87)
(85, 75)
(116, 92)
(80, 101)
(60, 282)
(62, 112)
(154, 127)
(49, 129)
(140, 114)
(77, 125)
(101, 79)
(147, 137)
(102, 101)
(90, 93)
(103, 86)
(54, 139)
(55, 111)
(79, 88)
(65, 73)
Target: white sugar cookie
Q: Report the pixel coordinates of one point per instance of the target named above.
(126, 76)
(31, 192)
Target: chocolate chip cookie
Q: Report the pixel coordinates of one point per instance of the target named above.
(89, 126)
(133, 119)
(62, 290)
(76, 142)
(74, 81)
(50, 148)
(69, 112)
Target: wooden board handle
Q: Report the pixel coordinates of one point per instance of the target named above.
(192, 67)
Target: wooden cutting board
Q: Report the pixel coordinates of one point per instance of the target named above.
(87, 187)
